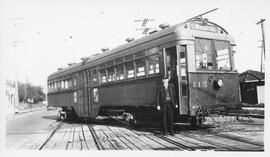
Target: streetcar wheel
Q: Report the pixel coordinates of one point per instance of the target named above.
(130, 118)
(196, 121)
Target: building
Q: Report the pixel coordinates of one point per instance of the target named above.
(11, 96)
(252, 87)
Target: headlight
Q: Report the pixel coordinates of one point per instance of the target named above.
(220, 83)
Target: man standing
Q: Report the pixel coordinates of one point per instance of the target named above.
(166, 100)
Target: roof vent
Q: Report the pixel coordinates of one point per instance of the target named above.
(84, 59)
(59, 68)
(130, 39)
(154, 31)
(104, 49)
(164, 25)
(69, 64)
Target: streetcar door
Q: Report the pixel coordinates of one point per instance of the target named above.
(88, 90)
(80, 95)
(86, 93)
(183, 79)
(171, 65)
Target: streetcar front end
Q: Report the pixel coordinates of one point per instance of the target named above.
(208, 80)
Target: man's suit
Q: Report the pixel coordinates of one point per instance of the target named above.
(166, 105)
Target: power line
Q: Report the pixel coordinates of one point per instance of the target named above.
(144, 23)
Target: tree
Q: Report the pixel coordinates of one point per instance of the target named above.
(29, 91)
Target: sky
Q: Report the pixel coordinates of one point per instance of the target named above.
(51, 33)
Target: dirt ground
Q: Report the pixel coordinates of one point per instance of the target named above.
(245, 127)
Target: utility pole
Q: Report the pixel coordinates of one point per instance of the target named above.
(263, 43)
(25, 89)
(15, 23)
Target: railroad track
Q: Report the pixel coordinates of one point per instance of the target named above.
(50, 136)
(95, 138)
(217, 145)
(241, 140)
(120, 136)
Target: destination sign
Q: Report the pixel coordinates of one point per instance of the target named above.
(199, 26)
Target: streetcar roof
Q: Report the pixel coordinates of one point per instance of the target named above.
(83, 64)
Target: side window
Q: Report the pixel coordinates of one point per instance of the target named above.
(183, 63)
(130, 70)
(74, 82)
(153, 65)
(140, 67)
(111, 75)
(140, 54)
(70, 83)
(95, 94)
(118, 60)
(110, 63)
(152, 51)
(58, 85)
(94, 79)
(84, 75)
(80, 80)
(54, 86)
(62, 84)
(119, 72)
(128, 57)
(203, 52)
(183, 66)
(75, 97)
(66, 84)
(103, 76)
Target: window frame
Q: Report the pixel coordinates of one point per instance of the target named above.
(148, 65)
(116, 72)
(75, 97)
(94, 76)
(229, 55)
(126, 71)
(108, 74)
(126, 61)
(136, 67)
(66, 84)
(75, 82)
(70, 85)
(214, 55)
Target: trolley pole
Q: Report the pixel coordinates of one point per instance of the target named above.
(263, 42)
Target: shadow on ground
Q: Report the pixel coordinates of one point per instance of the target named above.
(54, 117)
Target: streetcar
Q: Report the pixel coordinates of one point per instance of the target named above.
(123, 81)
